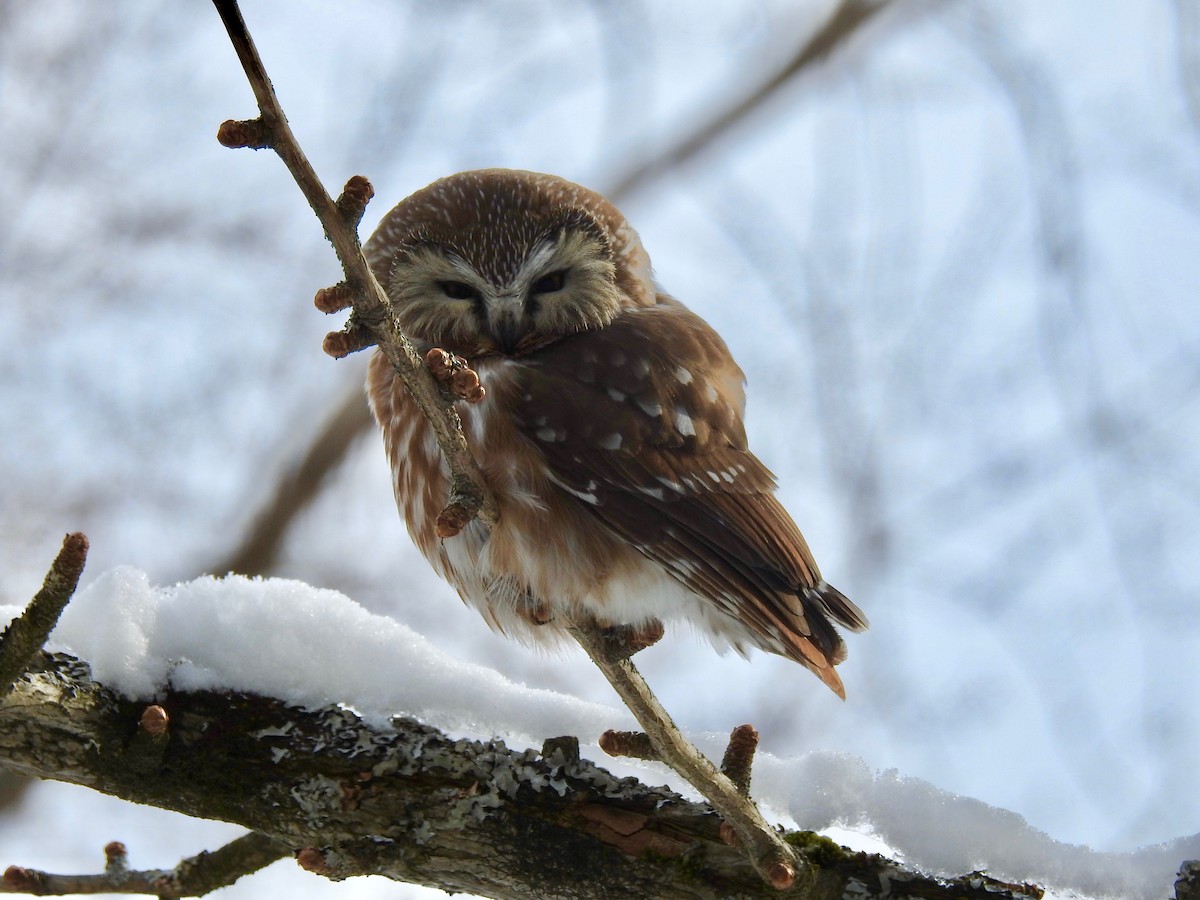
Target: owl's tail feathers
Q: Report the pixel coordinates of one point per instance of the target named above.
(838, 607)
(822, 647)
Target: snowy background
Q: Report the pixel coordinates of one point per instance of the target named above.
(957, 262)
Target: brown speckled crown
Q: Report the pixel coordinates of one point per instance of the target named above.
(493, 217)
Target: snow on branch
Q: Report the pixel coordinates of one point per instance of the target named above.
(402, 800)
(293, 711)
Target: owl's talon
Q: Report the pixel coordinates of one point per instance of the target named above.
(536, 614)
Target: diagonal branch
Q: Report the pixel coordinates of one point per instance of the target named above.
(772, 857)
(340, 219)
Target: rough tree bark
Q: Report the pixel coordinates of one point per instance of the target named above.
(406, 801)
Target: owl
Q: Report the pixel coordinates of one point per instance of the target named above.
(610, 433)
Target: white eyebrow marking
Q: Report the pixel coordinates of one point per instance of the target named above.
(534, 262)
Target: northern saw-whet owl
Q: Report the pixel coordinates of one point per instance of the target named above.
(610, 434)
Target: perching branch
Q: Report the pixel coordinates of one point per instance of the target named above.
(371, 321)
(770, 855)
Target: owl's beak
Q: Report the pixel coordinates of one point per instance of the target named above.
(507, 315)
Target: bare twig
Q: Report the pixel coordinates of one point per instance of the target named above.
(26, 634)
(773, 858)
(194, 877)
(340, 219)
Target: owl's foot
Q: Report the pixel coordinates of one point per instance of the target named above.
(622, 641)
(535, 613)
(455, 375)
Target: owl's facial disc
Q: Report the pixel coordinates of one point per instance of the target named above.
(565, 284)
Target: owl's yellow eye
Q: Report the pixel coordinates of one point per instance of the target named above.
(458, 290)
(550, 282)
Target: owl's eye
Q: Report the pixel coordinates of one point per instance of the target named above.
(458, 290)
(550, 282)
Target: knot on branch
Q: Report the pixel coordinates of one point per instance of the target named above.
(238, 133)
(466, 500)
(24, 881)
(116, 857)
(334, 299)
(312, 859)
(354, 199)
(351, 339)
(622, 641)
(149, 743)
(561, 751)
(739, 757)
(452, 520)
(628, 743)
(154, 721)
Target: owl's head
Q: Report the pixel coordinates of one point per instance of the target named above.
(498, 261)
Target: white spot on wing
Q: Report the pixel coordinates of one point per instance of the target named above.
(650, 407)
(612, 442)
(616, 395)
(683, 423)
(683, 375)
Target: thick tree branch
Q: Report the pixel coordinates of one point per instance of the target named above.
(408, 802)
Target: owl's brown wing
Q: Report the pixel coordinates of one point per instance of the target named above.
(642, 421)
